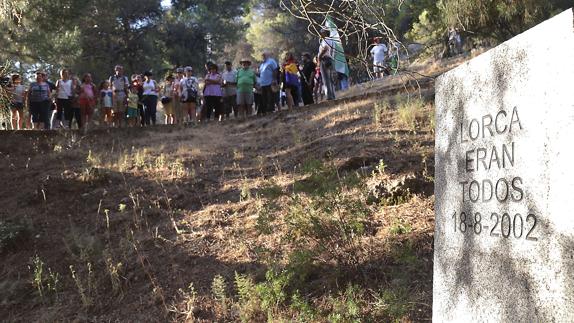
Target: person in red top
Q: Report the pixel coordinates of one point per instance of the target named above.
(87, 99)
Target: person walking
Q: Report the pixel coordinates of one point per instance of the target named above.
(120, 86)
(325, 57)
(307, 78)
(246, 81)
(212, 94)
(229, 77)
(268, 73)
(149, 99)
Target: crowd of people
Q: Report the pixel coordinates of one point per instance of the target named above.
(220, 94)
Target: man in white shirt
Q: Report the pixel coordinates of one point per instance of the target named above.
(379, 52)
(327, 63)
(229, 77)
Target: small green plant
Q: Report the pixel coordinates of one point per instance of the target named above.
(177, 169)
(45, 281)
(92, 159)
(410, 114)
(219, 291)
(265, 217)
(378, 110)
(380, 168)
(347, 307)
(271, 191)
(330, 225)
(272, 292)
(85, 287)
(249, 304)
(305, 312)
(114, 270)
(398, 228)
(393, 304)
(404, 253)
(160, 162)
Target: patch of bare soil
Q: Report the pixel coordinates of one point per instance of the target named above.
(115, 225)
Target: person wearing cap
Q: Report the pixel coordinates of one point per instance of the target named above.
(246, 80)
(39, 101)
(379, 53)
(268, 72)
(189, 94)
(179, 74)
(325, 56)
(229, 76)
(120, 86)
(149, 99)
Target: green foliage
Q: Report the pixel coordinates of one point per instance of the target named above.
(347, 307)
(399, 228)
(219, 291)
(393, 303)
(411, 114)
(265, 217)
(323, 179)
(330, 226)
(379, 109)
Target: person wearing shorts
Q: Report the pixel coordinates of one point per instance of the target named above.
(167, 100)
(132, 112)
(107, 103)
(189, 94)
(17, 92)
(120, 87)
(379, 52)
(39, 100)
(246, 80)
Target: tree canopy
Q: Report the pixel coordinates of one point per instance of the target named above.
(94, 35)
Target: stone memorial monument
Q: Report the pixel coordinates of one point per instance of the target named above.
(504, 237)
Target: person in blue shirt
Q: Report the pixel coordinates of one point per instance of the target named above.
(268, 71)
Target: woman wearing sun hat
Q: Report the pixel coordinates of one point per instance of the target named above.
(246, 80)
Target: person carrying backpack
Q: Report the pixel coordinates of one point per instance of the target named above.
(189, 94)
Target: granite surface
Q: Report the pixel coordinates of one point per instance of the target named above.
(504, 237)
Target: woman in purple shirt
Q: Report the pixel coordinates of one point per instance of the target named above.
(212, 94)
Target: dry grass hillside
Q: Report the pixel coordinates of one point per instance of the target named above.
(324, 214)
